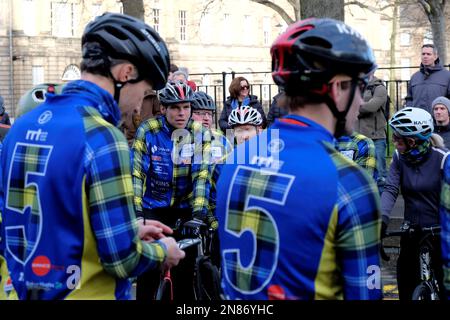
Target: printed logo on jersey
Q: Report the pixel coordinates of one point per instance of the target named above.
(154, 149)
(348, 153)
(41, 266)
(45, 117)
(276, 146)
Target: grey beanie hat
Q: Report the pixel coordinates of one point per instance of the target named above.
(441, 100)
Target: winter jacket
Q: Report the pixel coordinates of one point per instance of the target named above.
(371, 120)
(253, 102)
(426, 85)
(444, 132)
(420, 186)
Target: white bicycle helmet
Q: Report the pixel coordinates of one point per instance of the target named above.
(412, 122)
(244, 115)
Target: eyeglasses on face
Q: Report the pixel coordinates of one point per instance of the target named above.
(204, 114)
(245, 87)
(360, 82)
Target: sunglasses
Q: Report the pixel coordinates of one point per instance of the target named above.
(245, 87)
(361, 83)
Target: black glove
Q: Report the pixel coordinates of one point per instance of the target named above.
(383, 229)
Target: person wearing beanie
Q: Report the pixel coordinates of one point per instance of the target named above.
(441, 117)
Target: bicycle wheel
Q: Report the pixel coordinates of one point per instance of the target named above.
(207, 280)
(422, 292)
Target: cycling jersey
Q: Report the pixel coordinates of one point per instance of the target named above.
(297, 220)
(180, 181)
(360, 149)
(69, 224)
(445, 223)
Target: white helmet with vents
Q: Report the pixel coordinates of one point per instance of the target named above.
(244, 115)
(412, 122)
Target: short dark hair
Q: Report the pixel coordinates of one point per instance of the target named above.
(235, 86)
(430, 45)
(173, 67)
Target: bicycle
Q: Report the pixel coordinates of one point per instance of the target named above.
(428, 288)
(206, 279)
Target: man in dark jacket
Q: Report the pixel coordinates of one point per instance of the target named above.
(441, 117)
(430, 82)
(372, 123)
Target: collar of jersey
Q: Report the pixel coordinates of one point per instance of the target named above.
(97, 98)
(302, 122)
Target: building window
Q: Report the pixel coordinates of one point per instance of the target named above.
(29, 27)
(266, 30)
(182, 19)
(405, 39)
(206, 28)
(65, 19)
(38, 75)
(96, 10)
(155, 19)
(406, 72)
(226, 28)
(248, 34)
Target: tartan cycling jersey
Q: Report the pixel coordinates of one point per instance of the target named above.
(69, 225)
(161, 182)
(220, 146)
(297, 220)
(445, 223)
(360, 149)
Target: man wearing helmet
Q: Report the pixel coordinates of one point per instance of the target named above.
(297, 219)
(68, 218)
(171, 175)
(246, 123)
(416, 171)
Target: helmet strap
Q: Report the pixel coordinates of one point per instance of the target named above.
(341, 115)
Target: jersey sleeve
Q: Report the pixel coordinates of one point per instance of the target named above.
(140, 158)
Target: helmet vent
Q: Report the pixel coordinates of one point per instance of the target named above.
(317, 42)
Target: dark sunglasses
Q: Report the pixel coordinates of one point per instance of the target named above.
(360, 82)
(245, 87)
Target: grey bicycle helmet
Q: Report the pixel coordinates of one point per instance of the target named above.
(202, 101)
(175, 92)
(35, 96)
(125, 37)
(412, 122)
(244, 115)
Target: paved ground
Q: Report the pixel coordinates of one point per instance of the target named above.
(388, 268)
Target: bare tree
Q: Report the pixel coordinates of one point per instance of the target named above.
(322, 9)
(134, 8)
(434, 10)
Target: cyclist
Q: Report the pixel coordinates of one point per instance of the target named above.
(360, 149)
(203, 109)
(299, 220)
(70, 178)
(171, 174)
(416, 171)
(246, 123)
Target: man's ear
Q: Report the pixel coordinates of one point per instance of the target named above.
(163, 110)
(125, 72)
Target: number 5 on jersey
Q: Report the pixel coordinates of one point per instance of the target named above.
(28, 163)
(251, 196)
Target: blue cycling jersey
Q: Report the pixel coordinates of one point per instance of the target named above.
(297, 220)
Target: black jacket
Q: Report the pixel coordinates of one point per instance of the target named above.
(254, 102)
(275, 111)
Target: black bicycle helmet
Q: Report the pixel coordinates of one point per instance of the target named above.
(202, 101)
(175, 92)
(128, 38)
(310, 52)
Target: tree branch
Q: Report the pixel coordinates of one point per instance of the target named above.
(277, 9)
